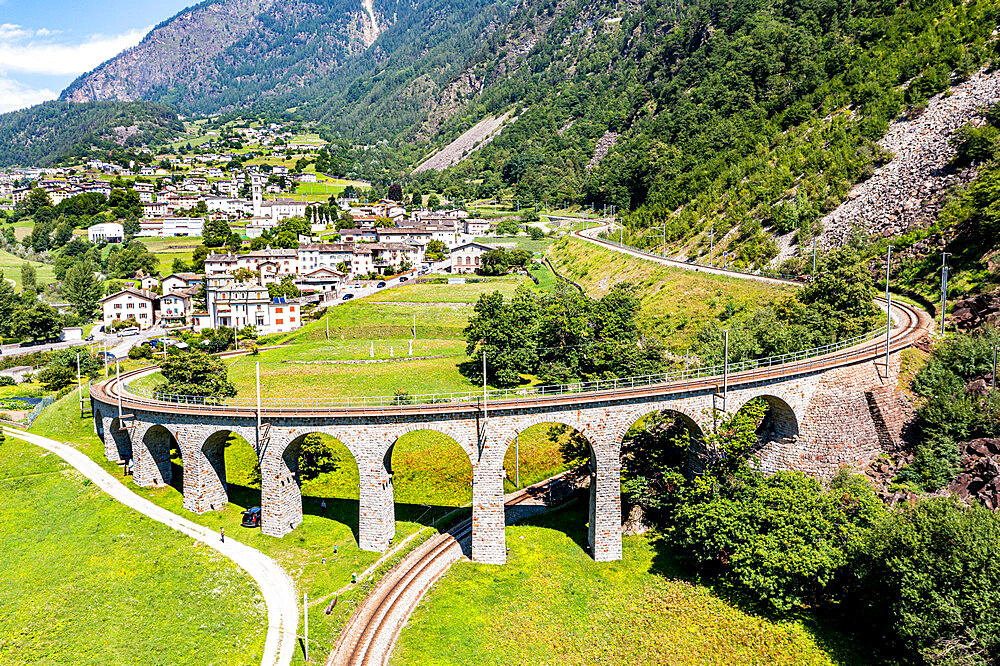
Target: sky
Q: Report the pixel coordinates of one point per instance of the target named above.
(45, 44)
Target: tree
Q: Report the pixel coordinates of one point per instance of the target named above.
(284, 288)
(505, 332)
(29, 278)
(436, 250)
(82, 289)
(54, 378)
(842, 295)
(316, 457)
(36, 321)
(433, 202)
(197, 374)
(923, 583)
(395, 192)
(536, 233)
(216, 233)
(180, 266)
(198, 259)
(508, 227)
(124, 261)
(8, 305)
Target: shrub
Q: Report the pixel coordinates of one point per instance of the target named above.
(7, 381)
(925, 583)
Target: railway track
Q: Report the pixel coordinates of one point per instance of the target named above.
(370, 634)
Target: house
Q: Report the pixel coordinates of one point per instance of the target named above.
(236, 306)
(106, 232)
(181, 281)
(148, 282)
(321, 279)
(158, 209)
(357, 258)
(467, 258)
(475, 227)
(359, 235)
(176, 306)
(281, 209)
(395, 255)
(138, 305)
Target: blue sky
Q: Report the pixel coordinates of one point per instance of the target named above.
(45, 44)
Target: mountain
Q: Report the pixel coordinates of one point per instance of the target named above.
(49, 132)
(229, 54)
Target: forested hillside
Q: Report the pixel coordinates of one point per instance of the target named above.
(754, 118)
(49, 132)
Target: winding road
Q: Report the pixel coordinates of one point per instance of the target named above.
(275, 584)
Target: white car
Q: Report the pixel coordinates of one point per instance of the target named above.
(131, 330)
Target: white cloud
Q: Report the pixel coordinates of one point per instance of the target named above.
(15, 95)
(29, 51)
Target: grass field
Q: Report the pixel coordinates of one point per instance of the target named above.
(523, 242)
(675, 303)
(86, 580)
(552, 604)
(432, 476)
(167, 249)
(11, 266)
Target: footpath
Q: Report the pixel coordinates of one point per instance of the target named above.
(275, 585)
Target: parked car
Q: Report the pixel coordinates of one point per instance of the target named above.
(403, 278)
(251, 517)
(380, 285)
(106, 354)
(89, 338)
(347, 297)
(131, 330)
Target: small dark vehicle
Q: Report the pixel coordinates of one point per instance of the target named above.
(251, 517)
(347, 297)
(403, 278)
(380, 285)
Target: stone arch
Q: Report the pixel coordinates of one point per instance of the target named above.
(780, 422)
(117, 439)
(151, 447)
(522, 423)
(281, 484)
(696, 453)
(453, 433)
(209, 474)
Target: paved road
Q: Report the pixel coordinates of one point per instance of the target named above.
(590, 235)
(275, 585)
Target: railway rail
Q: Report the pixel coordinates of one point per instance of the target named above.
(370, 634)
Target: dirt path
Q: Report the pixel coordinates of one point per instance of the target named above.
(275, 585)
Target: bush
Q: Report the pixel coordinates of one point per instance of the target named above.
(925, 584)
(140, 352)
(196, 373)
(55, 377)
(6, 381)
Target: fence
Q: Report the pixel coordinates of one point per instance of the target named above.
(37, 411)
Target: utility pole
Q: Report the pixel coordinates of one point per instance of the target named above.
(258, 403)
(814, 257)
(725, 373)
(711, 248)
(888, 308)
(944, 286)
(414, 326)
(517, 453)
(484, 389)
(79, 384)
(118, 388)
(305, 616)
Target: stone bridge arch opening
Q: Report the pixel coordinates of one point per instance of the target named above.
(779, 423)
(541, 451)
(429, 474)
(117, 439)
(158, 460)
(316, 475)
(664, 438)
(226, 470)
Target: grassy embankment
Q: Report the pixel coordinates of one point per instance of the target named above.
(676, 303)
(86, 580)
(640, 610)
(11, 266)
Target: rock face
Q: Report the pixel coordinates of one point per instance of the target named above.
(977, 311)
(980, 476)
(909, 190)
(229, 50)
(604, 144)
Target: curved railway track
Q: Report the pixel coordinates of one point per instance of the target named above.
(371, 633)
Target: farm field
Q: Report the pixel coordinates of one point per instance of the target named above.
(640, 610)
(78, 566)
(167, 249)
(523, 242)
(675, 303)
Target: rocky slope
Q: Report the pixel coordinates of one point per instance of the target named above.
(227, 52)
(910, 190)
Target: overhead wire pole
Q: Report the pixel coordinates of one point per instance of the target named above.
(258, 404)
(79, 384)
(711, 249)
(944, 286)
(888, 308)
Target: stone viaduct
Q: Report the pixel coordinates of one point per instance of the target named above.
(825, 411)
